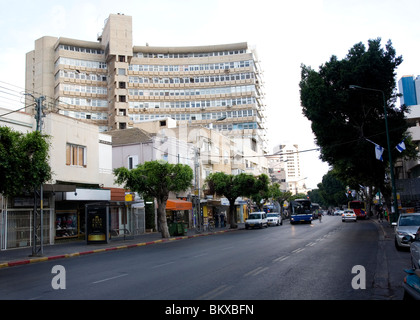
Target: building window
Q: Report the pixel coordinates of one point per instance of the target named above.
(133, 161)
(76, 155)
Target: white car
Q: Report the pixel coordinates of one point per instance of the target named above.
(411, 283)
(256, 220)
(407, 224)
(348, 215)
(274, 219)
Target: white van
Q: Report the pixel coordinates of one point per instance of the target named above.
(256, 220)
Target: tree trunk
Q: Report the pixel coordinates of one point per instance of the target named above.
(161, 210)
(232, 214)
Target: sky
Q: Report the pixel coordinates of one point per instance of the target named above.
(286, 34)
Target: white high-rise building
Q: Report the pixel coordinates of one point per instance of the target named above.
(118, 85)
(289, 155)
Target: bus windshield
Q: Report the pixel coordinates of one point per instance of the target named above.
(301, 207)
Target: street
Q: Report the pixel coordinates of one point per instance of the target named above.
(289, 262)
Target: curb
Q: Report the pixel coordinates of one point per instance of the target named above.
(129, 246)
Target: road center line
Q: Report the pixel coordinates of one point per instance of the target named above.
(215, 292)
(112, 278)
(227, 248)
(162, 265)
(282, 258)
(255, 271)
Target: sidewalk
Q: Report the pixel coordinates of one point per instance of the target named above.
(20, 256)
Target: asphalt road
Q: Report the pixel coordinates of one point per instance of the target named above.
(308, 261)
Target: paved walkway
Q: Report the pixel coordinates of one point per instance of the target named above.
(19, 256)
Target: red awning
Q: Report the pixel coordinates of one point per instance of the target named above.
(175, 204)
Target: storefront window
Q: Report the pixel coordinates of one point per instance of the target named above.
(66, 224)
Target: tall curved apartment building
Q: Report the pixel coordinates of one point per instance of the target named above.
(117, 85)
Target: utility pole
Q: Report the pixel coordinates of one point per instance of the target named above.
(37, 230)
(197, 184)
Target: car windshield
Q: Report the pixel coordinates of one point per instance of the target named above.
(410, 220)
(272, 215)
(254, 216)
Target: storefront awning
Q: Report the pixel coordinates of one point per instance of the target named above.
(175, 204)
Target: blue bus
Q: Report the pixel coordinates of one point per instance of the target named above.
(300, 210)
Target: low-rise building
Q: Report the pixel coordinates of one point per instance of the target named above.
(81, 163)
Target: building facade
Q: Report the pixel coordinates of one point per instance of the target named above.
(410, 90)
(117, 85)
(288, 154)
(81, 163)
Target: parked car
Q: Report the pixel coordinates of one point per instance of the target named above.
(349, 215)
(274, 219)
(338, 212)
(414, 243)
(407, 224)
(256, 220)
(411, 283)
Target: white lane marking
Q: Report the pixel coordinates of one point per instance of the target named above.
(282, 258)
(112, 278)
(215, 292)
(298, 250)
(162, 265)
(255, 271)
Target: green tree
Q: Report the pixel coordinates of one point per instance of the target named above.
(332, 190)
(24, 164)
(279, 196)
(260, 191)
(315, 196)
(156, 179)
(343, 119)
(232, 187)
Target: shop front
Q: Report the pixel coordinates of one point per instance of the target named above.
(70, 218)
(178, 215)
(17, 217)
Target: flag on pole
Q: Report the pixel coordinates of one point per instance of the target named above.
(401, 146)
(378, 150)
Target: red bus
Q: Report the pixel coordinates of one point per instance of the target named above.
(359, 208)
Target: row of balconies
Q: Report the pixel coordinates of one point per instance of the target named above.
(114, 66)
(194, 85)
(196, 97)
(155, 86)
(189, 73)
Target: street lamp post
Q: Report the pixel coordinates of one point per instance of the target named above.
(391, 165)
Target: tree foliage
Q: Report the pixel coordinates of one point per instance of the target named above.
(332, 191)
(231, 186)
(343, 119)
(156, 179)
(261, 190)
(24, 162)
